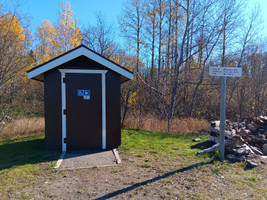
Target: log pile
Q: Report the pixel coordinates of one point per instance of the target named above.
(241, 139)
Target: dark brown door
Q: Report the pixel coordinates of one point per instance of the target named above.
(83, 111)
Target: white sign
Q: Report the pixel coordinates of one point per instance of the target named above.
(225, 71)
(86, 97)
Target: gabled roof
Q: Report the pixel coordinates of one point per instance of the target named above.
(37, 72)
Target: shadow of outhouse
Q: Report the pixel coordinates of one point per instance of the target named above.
(25, 152)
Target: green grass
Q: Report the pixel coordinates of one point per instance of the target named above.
(24, 161)
(158, 143)
(164, 152)
(25, 196)
(166, 181)
(47, 194)
(146, 165)
(24, 150)
(19, 159)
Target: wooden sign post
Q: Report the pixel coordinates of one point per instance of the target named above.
(223, 72)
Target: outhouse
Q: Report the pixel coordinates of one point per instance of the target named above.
(81, 100)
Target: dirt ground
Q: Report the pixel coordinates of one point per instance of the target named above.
(149, 177)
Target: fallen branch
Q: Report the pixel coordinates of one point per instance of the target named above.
(211, 149)
(228, 134)
(253, 149)
(214, 147)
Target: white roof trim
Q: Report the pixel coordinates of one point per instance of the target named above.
(74, 54)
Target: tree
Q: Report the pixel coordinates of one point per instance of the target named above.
(101, 37)
(13, 49)
(151, 29)
(258, 70)
(54, 40)
(248, 31)
(48, 44)
(14, 46)
(69, 35)
(132, 25)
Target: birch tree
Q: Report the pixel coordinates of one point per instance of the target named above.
(132, 25)
(56, 39)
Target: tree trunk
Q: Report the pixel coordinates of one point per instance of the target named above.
(125, 106)
(160, 36)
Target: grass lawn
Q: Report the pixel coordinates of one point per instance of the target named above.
(22, 161)
(155, 166)
(162, 144)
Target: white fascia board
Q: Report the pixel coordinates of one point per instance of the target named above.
(74, 54)
(83, 71)
(107, 63)
(59, 61)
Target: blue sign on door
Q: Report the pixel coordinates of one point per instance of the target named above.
(80, 93)
(84, 93)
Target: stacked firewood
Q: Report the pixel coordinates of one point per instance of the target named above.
(241, 139)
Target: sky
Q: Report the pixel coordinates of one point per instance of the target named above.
(85, 10)
(263, 7)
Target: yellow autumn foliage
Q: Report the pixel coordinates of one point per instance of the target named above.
(68, 28)
(59, 38)
(48, 44)
(133, 99)
(11, 30)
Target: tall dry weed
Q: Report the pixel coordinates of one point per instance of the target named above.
(179, 126)
(21, 126)
(25, 126)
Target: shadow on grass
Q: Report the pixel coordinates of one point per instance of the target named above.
(203, 145)
(15, 153)
(127, 189)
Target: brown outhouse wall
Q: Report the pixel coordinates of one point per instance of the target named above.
(113, 110)
(52, 102)
(52, 86)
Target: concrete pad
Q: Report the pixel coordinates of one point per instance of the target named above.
(88, 159)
